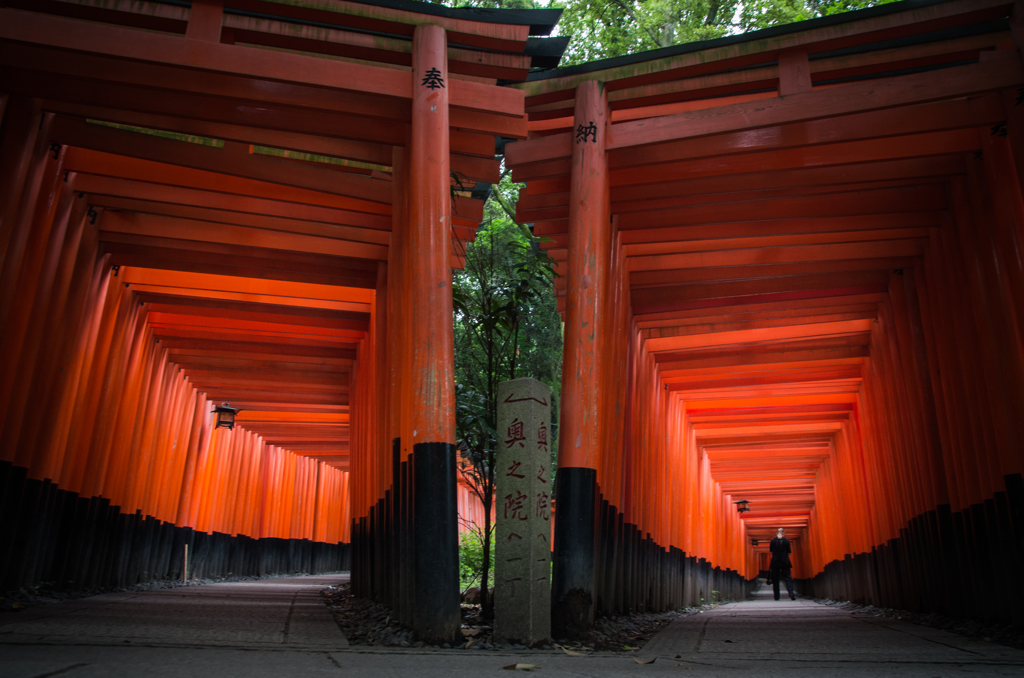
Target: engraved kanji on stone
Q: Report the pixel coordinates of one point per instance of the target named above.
(522, 594)
(516, 505)
(515, 434)
(512, 586)
(585, 132)
(543, 506)
(433, 79)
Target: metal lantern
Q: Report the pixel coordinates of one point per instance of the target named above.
(742, 505)
(226, 416)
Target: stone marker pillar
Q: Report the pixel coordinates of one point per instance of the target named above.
(522, 551)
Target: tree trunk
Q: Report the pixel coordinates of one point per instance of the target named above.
(486, 603)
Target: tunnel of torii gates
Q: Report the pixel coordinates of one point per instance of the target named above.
(791, 272)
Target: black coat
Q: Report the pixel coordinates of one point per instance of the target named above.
(780, 553)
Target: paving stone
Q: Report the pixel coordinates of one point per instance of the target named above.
(243, 630)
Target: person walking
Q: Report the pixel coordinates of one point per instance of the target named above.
(781, 567)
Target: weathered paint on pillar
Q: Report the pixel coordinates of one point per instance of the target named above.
(437, 616)
(522, 552)
(589, 242)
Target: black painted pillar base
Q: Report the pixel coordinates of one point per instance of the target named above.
(437, 618)
(572, 596)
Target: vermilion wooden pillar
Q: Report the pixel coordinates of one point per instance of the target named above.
(437, 615)
(398, 327)
(573, 600)
(17, 139)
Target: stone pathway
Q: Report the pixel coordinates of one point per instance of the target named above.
(281, 612)
(764, 633)
(279, 627)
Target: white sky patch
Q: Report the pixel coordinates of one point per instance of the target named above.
(734, 29)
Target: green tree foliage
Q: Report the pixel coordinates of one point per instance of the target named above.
(756, 14)
(471, 559)
(601, 29)
(506, 326)
(611, 28)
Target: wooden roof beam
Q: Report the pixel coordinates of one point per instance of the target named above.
(337, 42)
(252, 363)
(757, 399)
(246, 398)
(828, 155)
(177, 279)
(350, 149)
(682, 297)
(690, 276)
(884, 93)
(182, 261)
(971, 112)
(362, 193)
(716, 84)
(854, 98)
(781, 410)
(292, 302)
(253, 225)
(794, 312)
(710, 339)
(807, 227)
(325, 328)
(263, 263)
(797, 306)
(826, 416)
(188, 346)
(297, 417)
(878, 201)
(920, 170)
(681, 211)
(760, 347)
(213, 335)
(737, 54)
(480, 33)
(126, 43)
(325, 381)
(840, 353)
(811, 254)
(743, 382)
(700, 329)
(223, 235)
(285, 265)
(176, 195)
(476, 161)
(175, 19)
(250, 310)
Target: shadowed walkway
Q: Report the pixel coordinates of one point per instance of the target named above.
(279, 627)
(784, 636)
(284, 612)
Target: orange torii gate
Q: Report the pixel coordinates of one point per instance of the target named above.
(256, 202)
(792, 276)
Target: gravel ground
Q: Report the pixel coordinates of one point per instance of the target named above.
(46, 593)
(1013, 636)
(631, 632)
(365, 622)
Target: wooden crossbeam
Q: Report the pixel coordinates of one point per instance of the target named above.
(753, 51)
(126, 43)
